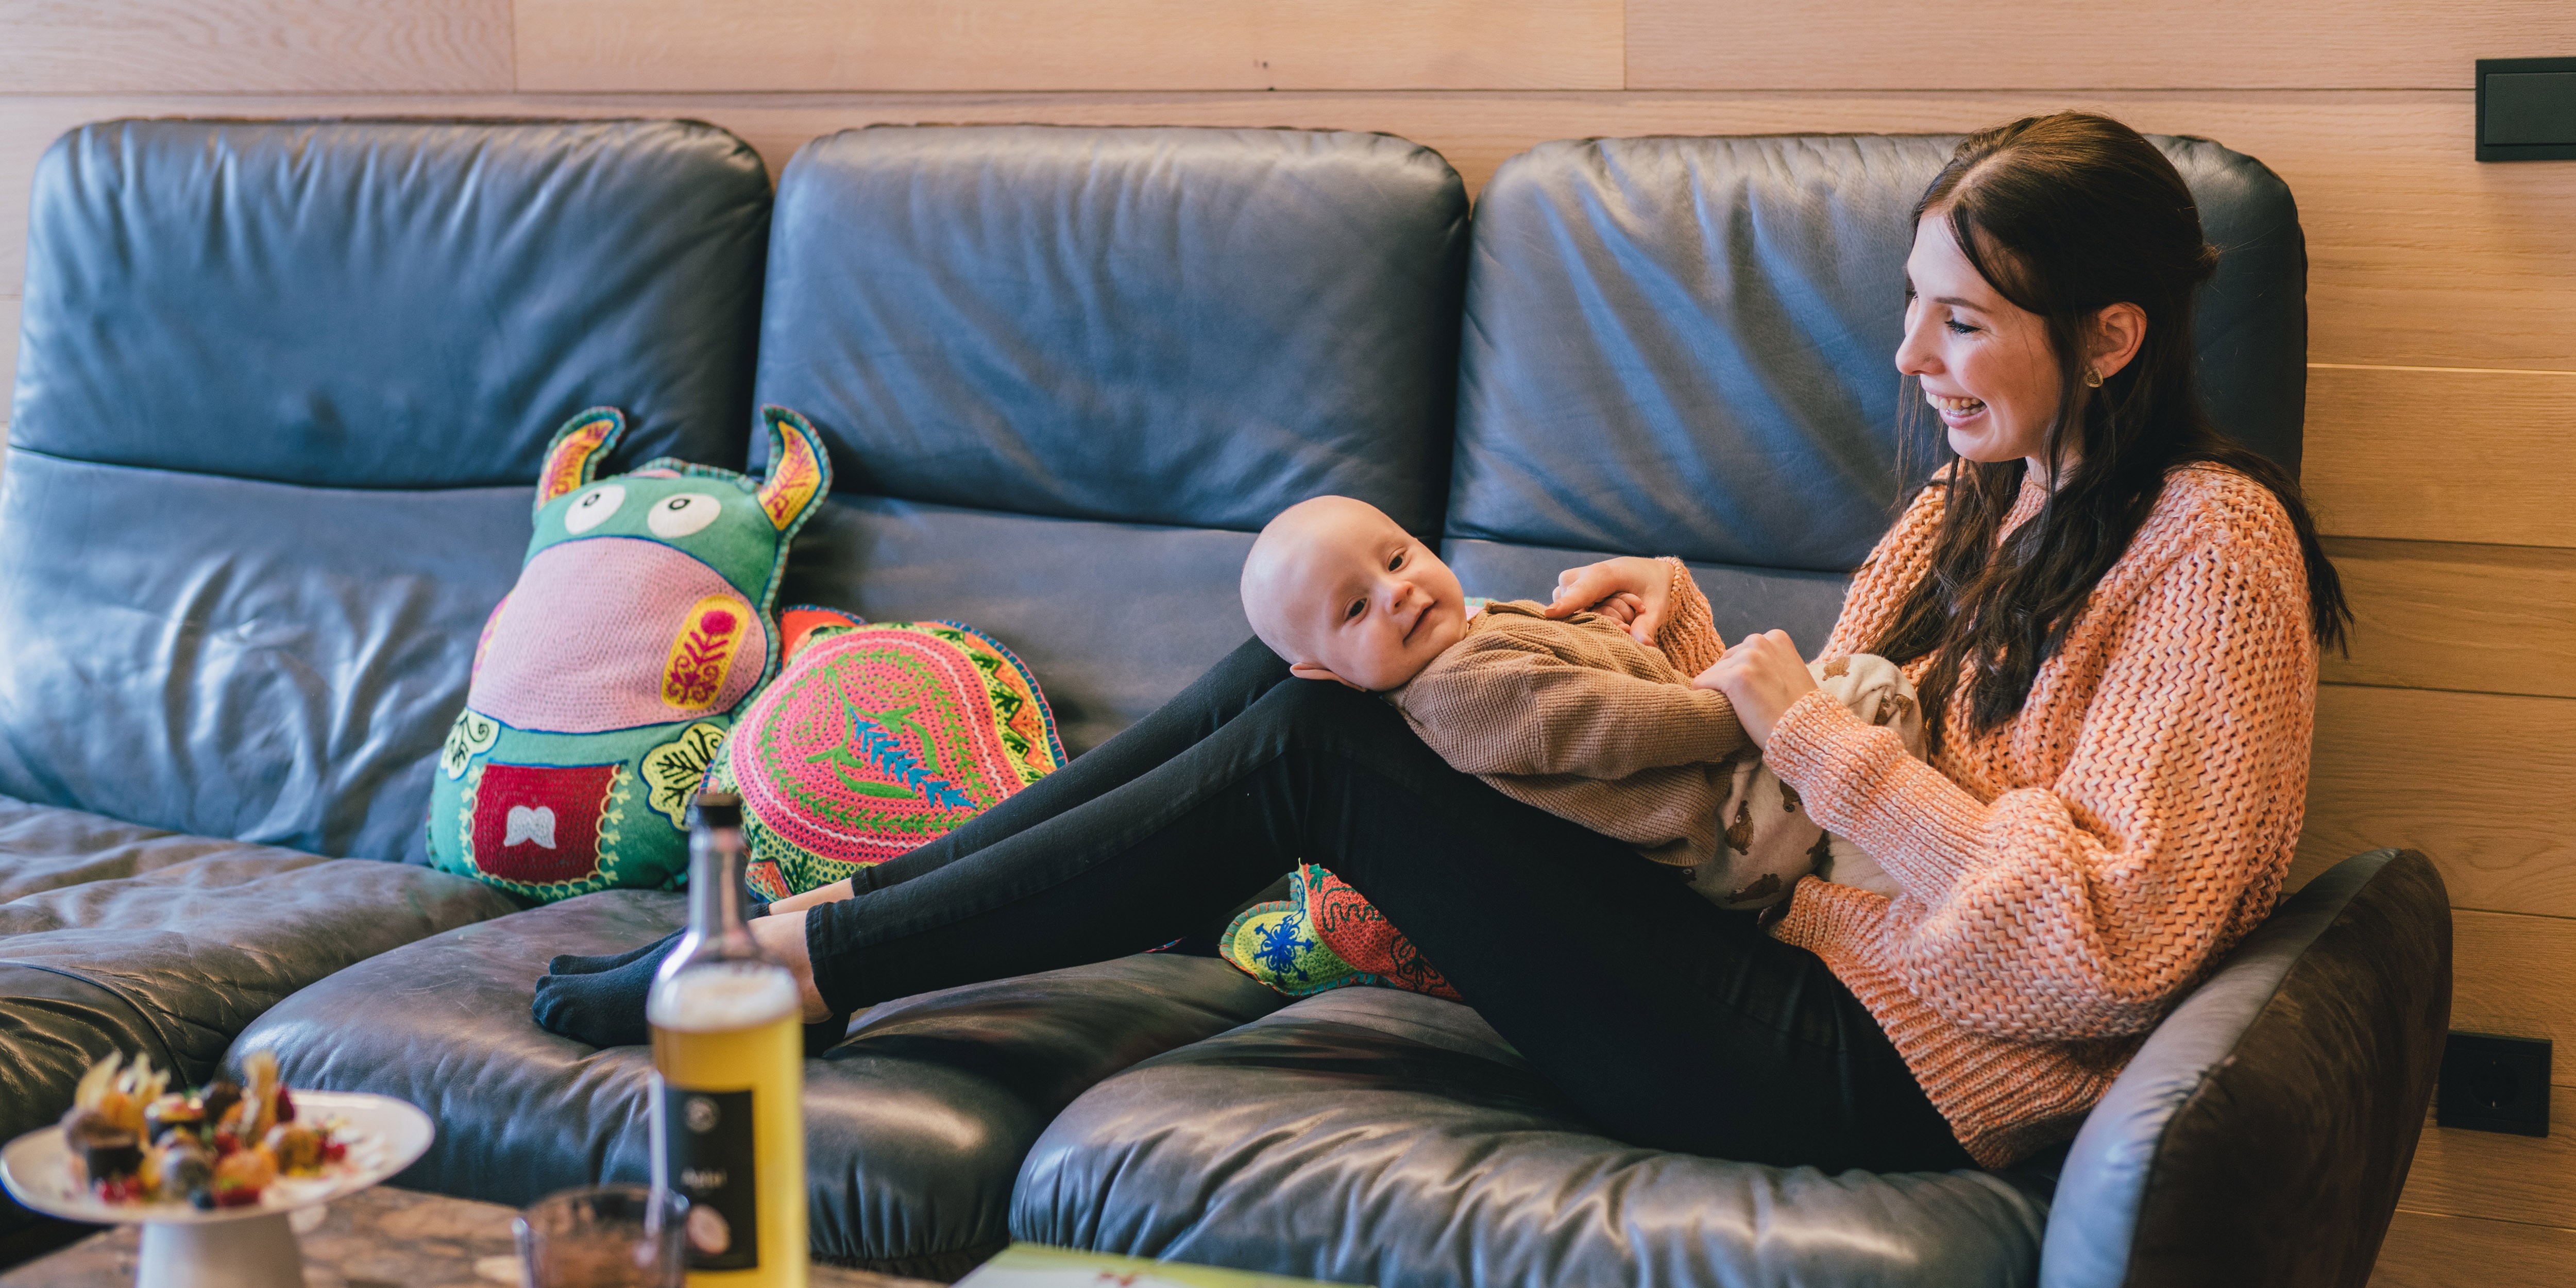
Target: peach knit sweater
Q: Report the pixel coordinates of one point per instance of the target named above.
(2066, 876)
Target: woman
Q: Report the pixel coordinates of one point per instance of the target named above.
(2114, 617)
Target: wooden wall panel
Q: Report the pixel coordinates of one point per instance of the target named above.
(2428, 1251)
(2441, 615)
(2417, 255)
(2442, 455)
(772, 45)
(254, 46)
(2516, 975)
(2531, 1179)
(2478, 782)
(2081, 45)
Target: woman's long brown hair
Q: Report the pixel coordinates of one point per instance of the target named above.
(2064, 216)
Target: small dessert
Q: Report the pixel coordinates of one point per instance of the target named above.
(132, 1141)
(171, 1112)
(295, 1148)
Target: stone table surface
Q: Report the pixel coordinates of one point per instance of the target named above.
(376, 1238)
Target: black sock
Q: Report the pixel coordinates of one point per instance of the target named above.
(601, 1001)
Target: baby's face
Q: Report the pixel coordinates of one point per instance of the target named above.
(1356, 598)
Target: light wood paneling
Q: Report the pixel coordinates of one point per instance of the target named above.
(2478, 782)
(254, 46)
(2435, 454)
(2428, 1251)
(2418, 256)
(769, 45)
(2439, 615)
(2081, 45)
(2516, 975)
(2531, 1179)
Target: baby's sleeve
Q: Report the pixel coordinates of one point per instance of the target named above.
(1689, 636)
(1500, 705)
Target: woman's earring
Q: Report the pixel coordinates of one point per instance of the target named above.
(2092, 378)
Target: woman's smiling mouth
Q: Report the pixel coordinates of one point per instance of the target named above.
(1955, 409)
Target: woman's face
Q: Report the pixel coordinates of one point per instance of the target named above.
(1985, 362)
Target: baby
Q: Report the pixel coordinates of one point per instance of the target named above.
(1572, 715)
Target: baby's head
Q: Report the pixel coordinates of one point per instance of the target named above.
(1343, 593)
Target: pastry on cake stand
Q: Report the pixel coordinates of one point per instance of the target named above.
(251, 1246)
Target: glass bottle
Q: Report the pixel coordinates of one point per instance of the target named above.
(729, 1065)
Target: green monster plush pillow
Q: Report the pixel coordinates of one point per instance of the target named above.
(605, 681)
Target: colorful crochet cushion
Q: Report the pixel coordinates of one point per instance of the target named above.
(879, 738)
(605, 680)
(1326, 935)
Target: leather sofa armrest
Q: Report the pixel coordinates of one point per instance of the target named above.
(2262, 1133)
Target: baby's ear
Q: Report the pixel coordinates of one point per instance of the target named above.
(1310, 671)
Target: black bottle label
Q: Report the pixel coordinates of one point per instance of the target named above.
(707, 1136)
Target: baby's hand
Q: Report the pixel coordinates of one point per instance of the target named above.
(1646, 583)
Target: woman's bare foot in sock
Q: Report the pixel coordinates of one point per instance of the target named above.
(841, 889)
(783, 934)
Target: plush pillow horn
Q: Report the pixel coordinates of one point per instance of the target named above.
(606, 679)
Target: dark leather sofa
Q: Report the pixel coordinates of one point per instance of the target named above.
(281, 395)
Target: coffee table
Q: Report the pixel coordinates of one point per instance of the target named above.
(377, 1238)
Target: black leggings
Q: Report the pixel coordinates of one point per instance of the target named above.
(1668, 1021)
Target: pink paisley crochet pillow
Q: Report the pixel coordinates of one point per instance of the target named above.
(876, 739)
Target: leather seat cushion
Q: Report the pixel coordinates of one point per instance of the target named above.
(240, 665)
(1379, 1137)
(915, 1126)
(126, 938)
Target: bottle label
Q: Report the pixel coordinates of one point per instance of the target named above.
(707, 1136)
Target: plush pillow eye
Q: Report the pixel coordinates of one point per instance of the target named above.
(681, 515)
(594, 507)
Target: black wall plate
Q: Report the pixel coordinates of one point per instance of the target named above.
(2492, 1083)
(2526, 109)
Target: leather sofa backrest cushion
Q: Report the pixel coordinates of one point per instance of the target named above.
(388, 304)
(1685, 345)
(283, 390)
(1066, 373)
(1193, 327)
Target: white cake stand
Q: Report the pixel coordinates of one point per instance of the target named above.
(245, 1247)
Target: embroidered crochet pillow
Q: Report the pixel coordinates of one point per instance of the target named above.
(879, 738)
(605, 680)
(1326, 935)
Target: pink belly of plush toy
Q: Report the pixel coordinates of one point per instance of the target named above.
(615, 633)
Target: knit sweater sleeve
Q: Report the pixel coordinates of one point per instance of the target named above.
(2079, 910)
(1689, 635)
(1500, 704)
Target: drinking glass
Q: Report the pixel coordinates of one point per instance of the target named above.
(605, 1236)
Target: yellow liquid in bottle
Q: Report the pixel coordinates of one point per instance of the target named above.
(702, 1045)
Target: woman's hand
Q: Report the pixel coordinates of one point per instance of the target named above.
(1761, 675)
(1635, 591)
